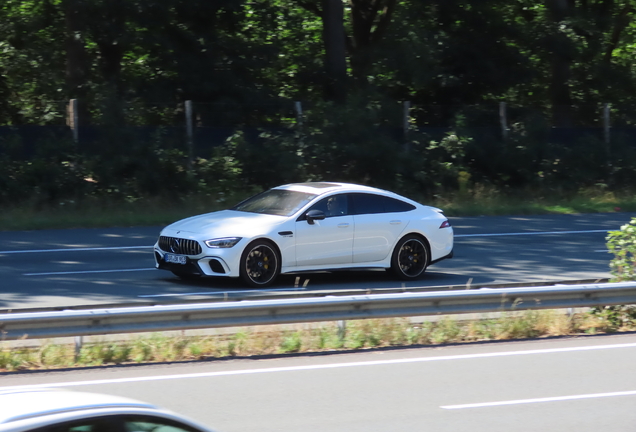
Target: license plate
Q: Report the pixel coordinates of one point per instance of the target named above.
(175, 259)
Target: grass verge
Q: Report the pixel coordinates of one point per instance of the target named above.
(489, 202)
(92, 212)
(359, 334)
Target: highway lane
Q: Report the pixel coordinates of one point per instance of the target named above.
(585, 384)
(103, 266)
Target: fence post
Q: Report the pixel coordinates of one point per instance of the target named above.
(299, 113)
(606, 124)
(72, 119)
(189, 133)
(607, 137)
(406, 108)
(503, 120)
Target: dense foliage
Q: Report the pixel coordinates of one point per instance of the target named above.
(132, 64)
(622, 244)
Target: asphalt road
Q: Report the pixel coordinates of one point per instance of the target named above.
(583, 384)
(60, 268)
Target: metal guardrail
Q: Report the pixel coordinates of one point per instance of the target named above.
(286, 311)
(296, 292)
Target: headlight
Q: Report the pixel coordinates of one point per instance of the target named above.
(227, 242)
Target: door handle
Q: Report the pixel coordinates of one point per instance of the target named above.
(395, 222)
(343, 225)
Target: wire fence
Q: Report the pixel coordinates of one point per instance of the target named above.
(207, 125)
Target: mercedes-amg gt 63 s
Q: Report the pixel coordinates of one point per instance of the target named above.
(59, 410)
(308, 227)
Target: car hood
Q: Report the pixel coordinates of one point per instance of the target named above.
(225, 223)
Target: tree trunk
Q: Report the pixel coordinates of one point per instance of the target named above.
(622, 21)
(559, 91)
(369, 20)
(111, 54)
(76, 59)
(75, 52)
(335, 53)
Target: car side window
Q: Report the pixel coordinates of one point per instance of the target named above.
(97, 424)
(119, 423)
(392, 205)
(364, 203)
(335, 205)
(153, 424)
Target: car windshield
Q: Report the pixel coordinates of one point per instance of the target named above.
(275, 202)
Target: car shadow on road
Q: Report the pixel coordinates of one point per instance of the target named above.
(332, 280)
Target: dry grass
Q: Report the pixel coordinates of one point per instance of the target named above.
(92, 212)
(361, 334)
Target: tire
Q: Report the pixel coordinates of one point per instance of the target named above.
(260, 264)
(410, 257)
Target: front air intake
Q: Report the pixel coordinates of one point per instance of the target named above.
(179, 246)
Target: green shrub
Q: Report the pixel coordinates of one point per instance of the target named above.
(622, 244)
(291, 343)
(265, 159)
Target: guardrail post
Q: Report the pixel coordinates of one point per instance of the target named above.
(79, 341)
(342, 329)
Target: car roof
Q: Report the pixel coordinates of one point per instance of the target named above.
(321, 188)
(29, 404)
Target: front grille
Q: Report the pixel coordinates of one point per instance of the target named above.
(179, 246)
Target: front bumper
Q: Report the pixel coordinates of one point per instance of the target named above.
(195, 265)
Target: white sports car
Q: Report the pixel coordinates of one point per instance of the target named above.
(58, 410)
(307, 227)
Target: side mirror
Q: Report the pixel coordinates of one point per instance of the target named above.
(313, 215)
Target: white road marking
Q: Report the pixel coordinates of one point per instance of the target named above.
(539, 400)
(531, 233)
(221, 292)
(149, 247)
(87, 272)
(74, 249)
(318, 367)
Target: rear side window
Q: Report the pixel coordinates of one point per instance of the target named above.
(372, 204)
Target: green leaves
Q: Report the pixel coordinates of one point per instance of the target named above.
(622, 244)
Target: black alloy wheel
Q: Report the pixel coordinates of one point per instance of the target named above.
(260, 264)
(410, 258)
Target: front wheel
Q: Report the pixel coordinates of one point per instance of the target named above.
(260, 264)
(410, 258)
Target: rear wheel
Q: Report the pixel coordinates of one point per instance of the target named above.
(260, 264)
(410, 258)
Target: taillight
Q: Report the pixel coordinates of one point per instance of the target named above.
(445, 224)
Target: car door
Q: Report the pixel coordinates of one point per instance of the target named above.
(379, 222)
(328, 241)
